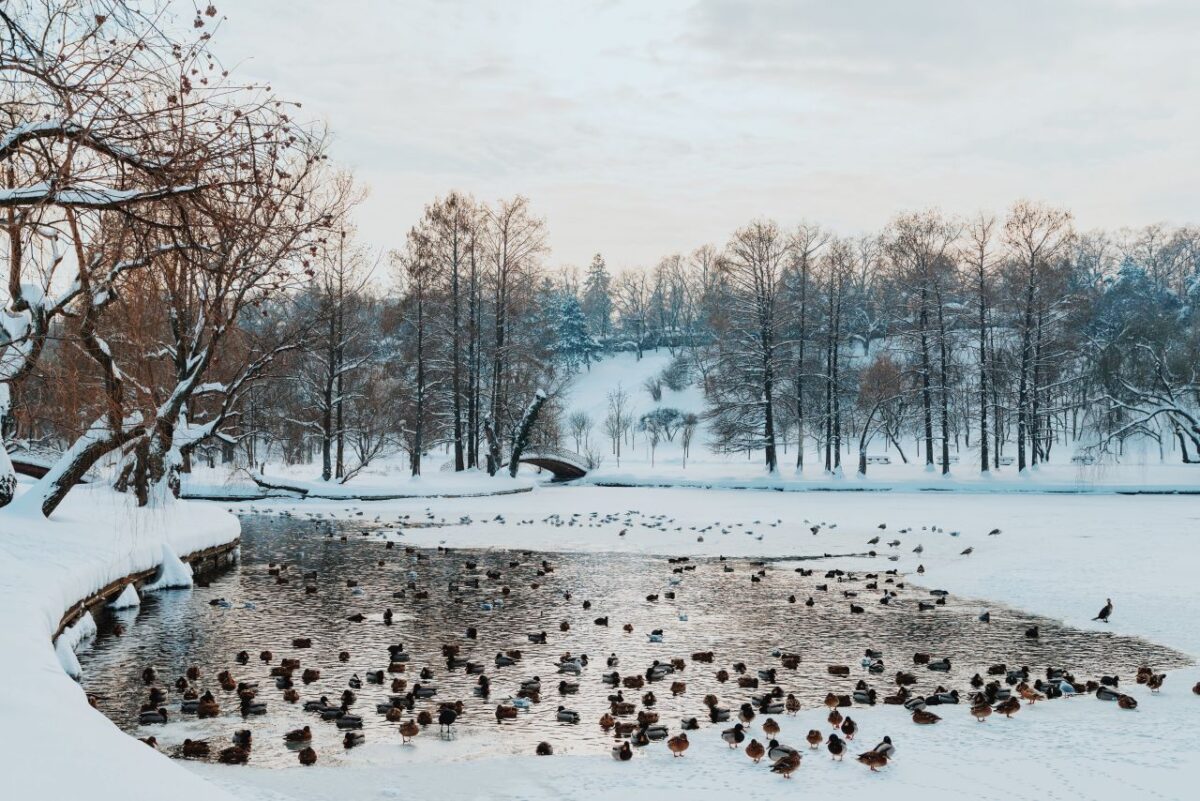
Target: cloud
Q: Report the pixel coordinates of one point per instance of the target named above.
(641, 128)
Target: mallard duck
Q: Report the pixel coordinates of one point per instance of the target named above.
(735, 736)
(622, 752)
(755, 750)
(924, 717)
(886, 748)
(152, 716)
(1155, 682)
(792, 704)
(151, 741)
(565, 715)
(836, 747)
(207, 707)
(770, 727)
(777, 751)
(787, 765)
(835, 719)
(353, 739)
(873, 760)
(505, 712)
(678, 744)
(195, 748)
(1127, 702)
(234, 755)
(307, 756)
(409, 729)
(849, 727)
(981, 710)
(1009, 707)
(303, 735)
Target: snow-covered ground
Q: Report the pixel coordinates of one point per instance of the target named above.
(388, 478)
(1056, 555)
(52, 744)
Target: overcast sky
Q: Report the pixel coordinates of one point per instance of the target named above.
(640, 128)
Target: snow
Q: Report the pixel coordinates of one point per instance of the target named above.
(128, 599)
(95, 538)
(173, 573)
(70, 640)
(1055, 555)
(388, 479)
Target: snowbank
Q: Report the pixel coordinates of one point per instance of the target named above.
(52, 743)
(387, 484)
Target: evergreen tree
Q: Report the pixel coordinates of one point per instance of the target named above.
(575, 345)
(597, 299)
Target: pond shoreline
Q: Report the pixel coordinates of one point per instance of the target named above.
(55, 570)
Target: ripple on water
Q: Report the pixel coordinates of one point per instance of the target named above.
(726, 612)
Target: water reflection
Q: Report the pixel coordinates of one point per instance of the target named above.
(717, 607)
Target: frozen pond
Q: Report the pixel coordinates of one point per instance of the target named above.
(727, 611)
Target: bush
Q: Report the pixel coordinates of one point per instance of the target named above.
(654, 387)
(677, 375)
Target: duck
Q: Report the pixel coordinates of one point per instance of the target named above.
(735, 736)
(678, 744)
(1107, 693)
(755, 750)
(981, 710)
(234, 755)
(1009, 707)
(886, 748)
(792, 704)
(195, 748)
(303, 735)
(836, 747)
(770, 728)
(1127, 702)
(544, 749)
(777, 751)
(924, 717)
(565, 715)
(835, 719)
(353, 739)
(307, 756)
(849, 727)
(152, 716)
(787, 765)
(622, 752)
(505, 712)
(873, 760)
(409, 729)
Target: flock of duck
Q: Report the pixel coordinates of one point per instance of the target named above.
(408, 698)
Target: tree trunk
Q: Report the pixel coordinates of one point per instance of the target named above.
(521, 439)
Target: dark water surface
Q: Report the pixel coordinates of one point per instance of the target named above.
(727, 612)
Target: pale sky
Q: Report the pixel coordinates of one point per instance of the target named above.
(639, 128)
